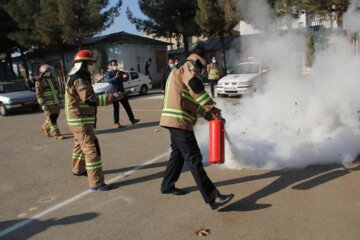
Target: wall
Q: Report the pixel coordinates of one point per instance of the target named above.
(131, 55)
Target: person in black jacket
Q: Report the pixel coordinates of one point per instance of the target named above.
(116, 78)
(166, 73)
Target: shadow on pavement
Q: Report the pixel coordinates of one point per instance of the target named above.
(37, 226)
(128, 127)
(284, 180)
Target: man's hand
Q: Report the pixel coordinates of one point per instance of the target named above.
(44, 108)
(118, 74)
(117, 96)
(216, 112)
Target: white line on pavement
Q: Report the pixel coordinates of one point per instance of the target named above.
(75, 198)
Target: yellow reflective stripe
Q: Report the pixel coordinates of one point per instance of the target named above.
(201, 111)
(168, 82)
(174, 115)
(187, 95)
(84, 105)
(53, 90)
(178, 112)
(102, 99)
(54, 127)
(41, 101)
(204, 98)
(93, 165)
(78, 156)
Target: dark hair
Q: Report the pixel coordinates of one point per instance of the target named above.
(198, 49)
(113, 61)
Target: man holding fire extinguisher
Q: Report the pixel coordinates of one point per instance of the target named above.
(185, 97)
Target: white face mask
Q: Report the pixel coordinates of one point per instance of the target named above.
(91, 68)
(171, 65)
(214, 60)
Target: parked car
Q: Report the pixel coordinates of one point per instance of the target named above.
(137, 83)
(244, 78)
(15, 96)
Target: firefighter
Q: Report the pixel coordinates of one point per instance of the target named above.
(213, 74)
(80, 105)
(185, 97)
(48, 96)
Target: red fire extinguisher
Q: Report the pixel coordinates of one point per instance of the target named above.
(216, 141)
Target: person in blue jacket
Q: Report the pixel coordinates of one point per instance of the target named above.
(116, 78)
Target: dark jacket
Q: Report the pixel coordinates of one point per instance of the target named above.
(116, 82)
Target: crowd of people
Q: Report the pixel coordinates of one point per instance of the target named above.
(185, 98)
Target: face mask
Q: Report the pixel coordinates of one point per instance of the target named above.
(91, 68)
(171, 65)
(47, 74)
(114, 67)
(214, 61)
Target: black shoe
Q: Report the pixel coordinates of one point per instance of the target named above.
(103, 187)
(174, 191)
(135, 120)
(220, 200)
(81, 174)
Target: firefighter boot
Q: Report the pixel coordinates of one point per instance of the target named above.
(46, 131)
(58, 135)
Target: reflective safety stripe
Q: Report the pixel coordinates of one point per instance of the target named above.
(201, 111)
(186, 94)
(41, 101)
(102, 99)
(54, 127)
(93, 165)
(84, 105)
(203, 99)
(50, 102)
(54, 92)
(169, 112)
(78, 156)
(81, 121)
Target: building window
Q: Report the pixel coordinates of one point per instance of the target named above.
(160, 60)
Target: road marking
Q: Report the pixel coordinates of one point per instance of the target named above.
(75, 198)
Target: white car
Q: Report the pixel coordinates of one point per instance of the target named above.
(244, 78)
(137, 83)
(13, 97)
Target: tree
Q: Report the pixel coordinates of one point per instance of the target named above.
(101, 58)
(59, 23)
(167, 18)
(7, 45)
(326, 7)
(310, 50)
(217, 18)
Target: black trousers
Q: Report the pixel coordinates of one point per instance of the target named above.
(213, 84)
(185, 149)
(125, 103)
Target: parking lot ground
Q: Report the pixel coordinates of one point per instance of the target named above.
(41, 199)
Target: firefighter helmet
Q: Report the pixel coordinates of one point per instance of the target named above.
(84, 55)
(44, 68)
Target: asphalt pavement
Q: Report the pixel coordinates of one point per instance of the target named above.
(41, 199)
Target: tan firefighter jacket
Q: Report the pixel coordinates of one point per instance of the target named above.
(81, 100)
(47, 94)
(185, 96)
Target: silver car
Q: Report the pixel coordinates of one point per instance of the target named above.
(244, 78)
(15, 96)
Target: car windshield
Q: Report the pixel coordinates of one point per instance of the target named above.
(251, 68)
(7, 87)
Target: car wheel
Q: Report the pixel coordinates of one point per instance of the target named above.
(3, 111)
(143, 90)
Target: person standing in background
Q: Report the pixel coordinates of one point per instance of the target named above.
(213, 74)
(116, 78)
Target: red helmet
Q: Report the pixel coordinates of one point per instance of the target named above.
(84, 55)
(44, 68)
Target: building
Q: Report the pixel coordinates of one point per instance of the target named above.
(131, 51)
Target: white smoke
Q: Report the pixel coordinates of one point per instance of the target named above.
(352, 17)
(296, 121)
